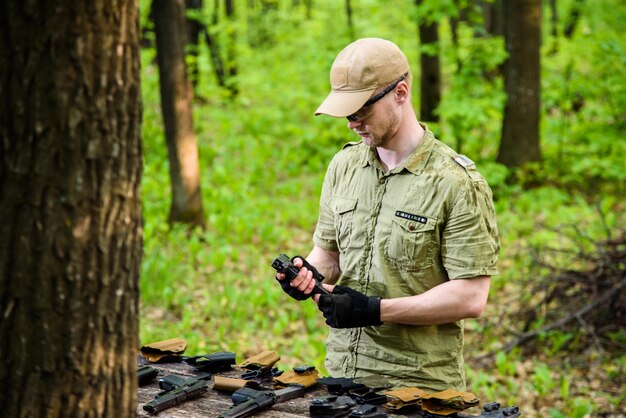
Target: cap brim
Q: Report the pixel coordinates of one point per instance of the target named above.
(341, 103)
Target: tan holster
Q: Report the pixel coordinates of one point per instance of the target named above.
(448, 401)
(166, 350)
(306, 379)
(261, 361)
(404, 397)
(230, 384)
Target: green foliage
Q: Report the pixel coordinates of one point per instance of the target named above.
(542, 379)
(263, 156)
(471, 108)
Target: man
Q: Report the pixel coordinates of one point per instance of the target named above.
(406, 236)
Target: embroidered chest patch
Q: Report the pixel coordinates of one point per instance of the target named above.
(411, 217)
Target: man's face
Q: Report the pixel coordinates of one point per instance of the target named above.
(377, 124)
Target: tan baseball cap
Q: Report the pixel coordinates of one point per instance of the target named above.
(359, 69)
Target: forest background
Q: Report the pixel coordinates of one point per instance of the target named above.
(552, 338)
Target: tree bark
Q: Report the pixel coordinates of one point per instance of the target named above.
(520, 130)
(70, 208)
(430, 81)
(176, 98)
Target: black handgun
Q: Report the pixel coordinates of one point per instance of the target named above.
(182, 390)
(331, 406)
(253, 401)
(212, 363)
(368, 411)
(174, 381)
(284, 264)
(146, 374)
(493, 410)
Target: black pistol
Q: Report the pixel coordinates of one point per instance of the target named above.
(180, 390)
(254, 401)
(284, 264)
(212, 363)
(493, 410)
(146, 374)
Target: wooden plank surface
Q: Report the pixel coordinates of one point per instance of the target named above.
(212, 403)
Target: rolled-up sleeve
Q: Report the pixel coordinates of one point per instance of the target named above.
(470, 242)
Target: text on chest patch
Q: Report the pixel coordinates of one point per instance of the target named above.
(411, 217)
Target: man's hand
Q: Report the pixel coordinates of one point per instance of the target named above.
(347, 308)
(301, 286)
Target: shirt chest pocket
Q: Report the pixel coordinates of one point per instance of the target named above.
(343, 211)
(411, 243)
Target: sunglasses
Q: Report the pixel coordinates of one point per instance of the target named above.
(355, 117)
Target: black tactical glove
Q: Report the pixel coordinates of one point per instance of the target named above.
(291, 272)
(347, 308)
(294, 292)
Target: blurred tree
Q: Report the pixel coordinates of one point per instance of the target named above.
(231, 60)
(70, 208)
(194, 29)
(214, 47)
(572, 19)
(520, 127)
(261, 15)
(492, 16)
(351, 32)
(176, 100)
(430, 79)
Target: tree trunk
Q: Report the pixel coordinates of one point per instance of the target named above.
(214, 48)
(70, 208)
(231, 62)
(573, 18)
(350, 20)
(554, 18)
(430, 81)
(520, 130)
(194, 29)
(492, 17)
(554, 27)
(176, 97)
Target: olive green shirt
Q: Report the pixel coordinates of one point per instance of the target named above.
(400, 233)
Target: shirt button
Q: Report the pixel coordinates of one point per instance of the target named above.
(381, 180)
(411, 227)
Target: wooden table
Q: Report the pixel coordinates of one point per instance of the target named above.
(213, 403)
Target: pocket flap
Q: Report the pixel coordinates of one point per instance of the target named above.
(343, 204)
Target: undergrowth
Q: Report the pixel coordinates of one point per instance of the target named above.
(263, 156)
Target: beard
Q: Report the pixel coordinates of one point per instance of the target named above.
(387, 128)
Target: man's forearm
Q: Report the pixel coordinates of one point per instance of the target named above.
(450, 301)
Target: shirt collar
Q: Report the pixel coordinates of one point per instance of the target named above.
(418, 159)
(414, 162)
